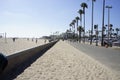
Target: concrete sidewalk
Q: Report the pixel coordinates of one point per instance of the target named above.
(64, 62)
(107, 56)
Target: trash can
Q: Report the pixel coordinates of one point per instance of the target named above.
(3, 62)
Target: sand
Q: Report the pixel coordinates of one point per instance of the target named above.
(64, 62)
(10, 47)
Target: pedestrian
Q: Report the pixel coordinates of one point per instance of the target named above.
(45, 41)
(3, 62)
(36, 40)
(27, 39)
(13, 39)
(32, 39)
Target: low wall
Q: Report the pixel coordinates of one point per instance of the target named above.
(116, 44)
(17, 59)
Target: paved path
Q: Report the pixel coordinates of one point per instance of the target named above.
(64, 62)
(107, 56)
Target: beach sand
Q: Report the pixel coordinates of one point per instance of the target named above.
(64, 62)
(9, 47)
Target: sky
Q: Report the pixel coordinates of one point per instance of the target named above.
(37, 18)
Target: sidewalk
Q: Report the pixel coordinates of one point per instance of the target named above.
(64, 62)
(99, 44)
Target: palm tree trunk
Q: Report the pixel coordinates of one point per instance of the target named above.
(74, 30)
(117, 34)
(81, 26)
(80, 35)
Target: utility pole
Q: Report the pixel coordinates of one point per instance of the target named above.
(103, 23)
(109, 7)
(92, 22)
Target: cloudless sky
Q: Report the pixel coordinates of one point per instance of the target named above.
(36, 18)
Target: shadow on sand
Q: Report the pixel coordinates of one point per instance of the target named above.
(19, 69)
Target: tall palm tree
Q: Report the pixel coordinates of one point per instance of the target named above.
(74, 21)
(80, 29)
(70, 24)
(92, 21)
(84, 5)
(72, 29)
(73, 25)
(111, 26)
(117, 29)
(80, 12)
(110, 29)
(77, 18)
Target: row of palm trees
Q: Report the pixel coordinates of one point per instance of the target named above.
(117, 30)
(80, 29)
(111, 31)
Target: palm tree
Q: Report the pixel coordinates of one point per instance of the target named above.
(70, 25)
(74, 21)
(92, 20)
(80, 12)
(72, 28)
(80, 29)
(84, 5)
(77, 18)
(115, 34)
(73, 25)
(111, 26)
(110, 29)
(117, 29)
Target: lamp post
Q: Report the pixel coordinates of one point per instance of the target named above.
(103, 23)
(109, 7)
(92, 21)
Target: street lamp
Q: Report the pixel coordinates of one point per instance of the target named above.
(92, 20)
(103, 23)
(109, 7)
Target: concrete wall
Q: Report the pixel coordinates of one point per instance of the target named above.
(20, 57)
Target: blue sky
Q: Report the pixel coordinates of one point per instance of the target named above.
(36, 18)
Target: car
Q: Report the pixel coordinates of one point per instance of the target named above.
(116, 43)
(108, 42)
